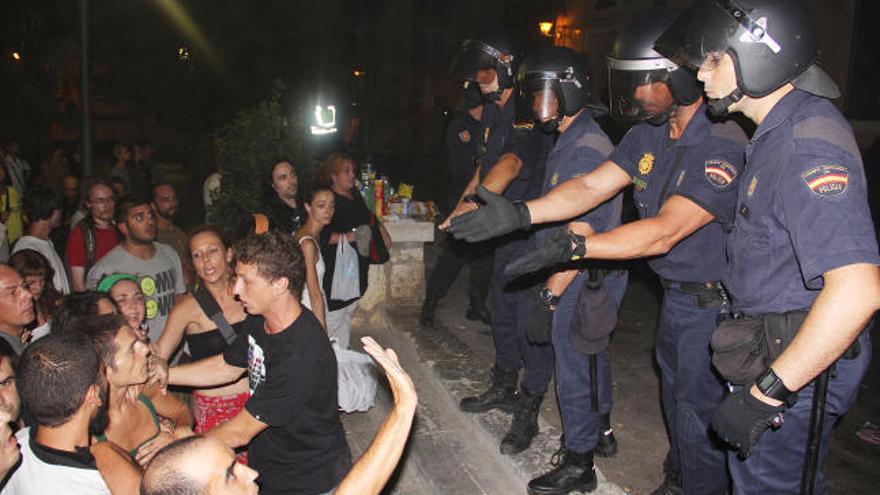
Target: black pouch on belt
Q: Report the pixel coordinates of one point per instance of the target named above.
(738, 349)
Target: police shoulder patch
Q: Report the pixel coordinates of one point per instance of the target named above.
(646, 163)
(464, 136)
(828, 179)
(719, 172)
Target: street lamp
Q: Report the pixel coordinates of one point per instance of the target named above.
(16, 56)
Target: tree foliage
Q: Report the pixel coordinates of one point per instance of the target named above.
(249, 144)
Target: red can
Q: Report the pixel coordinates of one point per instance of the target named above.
(379, 196)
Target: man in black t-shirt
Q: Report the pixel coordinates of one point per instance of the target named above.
(291, 420)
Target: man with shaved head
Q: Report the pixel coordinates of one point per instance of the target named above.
(198, 466)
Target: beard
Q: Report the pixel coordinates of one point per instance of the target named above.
(98, 423)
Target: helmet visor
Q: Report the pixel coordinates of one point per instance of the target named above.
(539, 93)
(704, 32)
(638, 94)
(471, 57)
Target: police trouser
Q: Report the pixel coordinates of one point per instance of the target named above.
(690, 388)
(580, 424)
(777, 460)
(452, 258)
(511, 302)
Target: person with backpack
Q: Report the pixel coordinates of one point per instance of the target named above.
(95, 235)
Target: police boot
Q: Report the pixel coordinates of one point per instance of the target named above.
(501, 394)
(476, 311)
(671, 480)
(426, 318)
(524, 426)
(607, 444)
(572, 471)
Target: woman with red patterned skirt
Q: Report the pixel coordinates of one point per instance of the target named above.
(211, 256)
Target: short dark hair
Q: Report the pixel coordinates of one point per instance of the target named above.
(77, 305)
(39, 203)
(54, 374)
(126, 202)
(162, 475)
(7, 352)
(315, 189)
(275, 254)
(102, 330)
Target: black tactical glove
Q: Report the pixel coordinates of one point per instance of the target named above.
(497, 217)
(742, 418)
(556, 248)
(540, 322)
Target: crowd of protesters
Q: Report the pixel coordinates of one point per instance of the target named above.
(138, 358)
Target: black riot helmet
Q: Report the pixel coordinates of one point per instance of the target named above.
(488, 52)
(554, 83)
(635, 68)
(771, 43)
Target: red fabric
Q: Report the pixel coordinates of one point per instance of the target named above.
(211, 411)
(105, 240)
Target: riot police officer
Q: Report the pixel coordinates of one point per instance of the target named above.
(512, 165)
(463, 144)
(684, 169)
(803, 254)
(556, 85)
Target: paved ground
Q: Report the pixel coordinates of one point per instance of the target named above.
(451, 452)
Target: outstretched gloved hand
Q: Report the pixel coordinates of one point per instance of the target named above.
(742, 418)
(556, 248)
(497, 217)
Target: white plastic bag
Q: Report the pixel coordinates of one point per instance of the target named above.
(346, 277)
(357, 378)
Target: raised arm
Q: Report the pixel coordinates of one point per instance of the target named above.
(370, 473)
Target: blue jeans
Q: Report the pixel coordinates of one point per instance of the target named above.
(511, 303)
(690, 391)
(777, 460)
(580, 423)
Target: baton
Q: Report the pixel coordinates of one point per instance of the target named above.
(814, 440)
(594, 384)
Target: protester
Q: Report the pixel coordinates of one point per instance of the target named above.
(37, 274)
(280, 203)
(164, 201)
(134, 411)
(204, 465)
(61, 386)
(196, 323)
(10, 207)
(121, 157)
(95, 235)
(291, 367)
(17, 167)
(320, 206)
(337, 173)
(156, 265)
(10, 408)
(16, 308)
(42, 212)
(129, 301)
(81, 304)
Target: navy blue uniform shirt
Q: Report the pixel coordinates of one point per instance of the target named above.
(532, 146)
(578, 151)
(803, 208)
(463, 148)
(495, 126)
(704, 166)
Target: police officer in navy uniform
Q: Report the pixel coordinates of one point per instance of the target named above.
(464, 148)
(556, 86)
(512, 166)
(803, 247)
(684, 169)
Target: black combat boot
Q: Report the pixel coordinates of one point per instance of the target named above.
(426, 319)
(524, 426)
(671, 480)
(573, 471)
(607, 444)
(476, 311)
(501, 394)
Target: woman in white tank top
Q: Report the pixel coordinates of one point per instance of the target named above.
(320, 208)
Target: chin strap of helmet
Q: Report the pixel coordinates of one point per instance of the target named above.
(719, 107)
(548, 126)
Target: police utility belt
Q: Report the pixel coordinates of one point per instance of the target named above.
(708, 294)
(744, 346)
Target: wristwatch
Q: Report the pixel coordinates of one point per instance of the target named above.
(547, 297)
(771, 385)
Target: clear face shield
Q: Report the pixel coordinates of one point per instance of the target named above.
(639, 89)
(539, 94)
(701, 35)
(477, 62)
